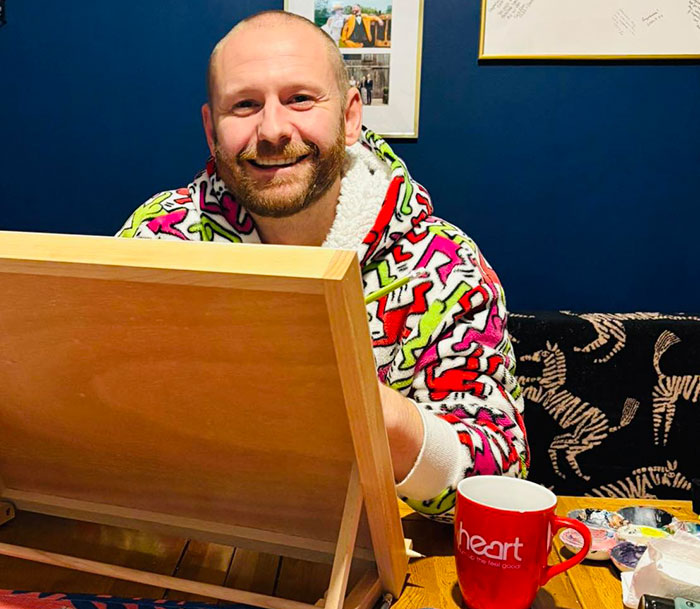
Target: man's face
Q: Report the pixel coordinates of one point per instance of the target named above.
(279, 129)
(356, 10)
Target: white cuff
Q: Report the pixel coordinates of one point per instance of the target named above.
(437, 465)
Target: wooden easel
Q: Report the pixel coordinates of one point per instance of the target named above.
(224, 393)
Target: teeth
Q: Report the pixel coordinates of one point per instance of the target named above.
(274, 162)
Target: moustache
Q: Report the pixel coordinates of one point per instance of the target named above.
(290, 150)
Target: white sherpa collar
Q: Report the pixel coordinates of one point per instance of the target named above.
(362, 191)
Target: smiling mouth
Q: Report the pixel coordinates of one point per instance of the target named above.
(276, 163)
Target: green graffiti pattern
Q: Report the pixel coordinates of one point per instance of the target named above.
(383, 272)
(428, 324)
(436, 506)
(448, 231)
(384, 151)
(207, 228)
(149, 210)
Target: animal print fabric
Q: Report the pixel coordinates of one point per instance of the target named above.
(440, 340)
(612, 401)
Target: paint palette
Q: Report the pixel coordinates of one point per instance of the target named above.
(639, 534)
(625, 555)
(598, 518)
(646, 516)
(603, 540)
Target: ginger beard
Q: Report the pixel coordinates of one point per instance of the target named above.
(281, 196)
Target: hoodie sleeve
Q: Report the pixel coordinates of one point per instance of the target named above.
(462, 381)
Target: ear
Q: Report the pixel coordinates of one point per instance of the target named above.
(353, 116)
(209, 129)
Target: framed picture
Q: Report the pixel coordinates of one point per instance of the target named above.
(590, 29)
(381, 46)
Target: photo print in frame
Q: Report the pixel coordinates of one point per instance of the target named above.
(381, 43)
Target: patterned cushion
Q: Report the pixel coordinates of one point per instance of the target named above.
(10, 599)
(612, 401)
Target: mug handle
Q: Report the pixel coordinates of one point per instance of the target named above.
(559, 522)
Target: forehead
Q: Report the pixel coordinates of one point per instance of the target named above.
(269, 54)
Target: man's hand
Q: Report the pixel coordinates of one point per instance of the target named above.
(404, 426)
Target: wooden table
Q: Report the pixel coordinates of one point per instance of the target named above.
(432, 581)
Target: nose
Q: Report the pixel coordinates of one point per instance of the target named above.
(275, 126)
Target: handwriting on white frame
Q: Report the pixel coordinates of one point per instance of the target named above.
(694, 11)
(511, 9)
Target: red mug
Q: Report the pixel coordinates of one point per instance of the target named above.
(503, 536)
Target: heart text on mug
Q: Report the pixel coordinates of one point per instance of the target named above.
(495, 550)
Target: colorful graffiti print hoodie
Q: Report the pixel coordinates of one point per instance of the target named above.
(440, 340)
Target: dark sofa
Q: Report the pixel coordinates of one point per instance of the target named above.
(612, 401)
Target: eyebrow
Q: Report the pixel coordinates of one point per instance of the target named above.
(312, 87)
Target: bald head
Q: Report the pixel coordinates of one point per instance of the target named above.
(283, 20)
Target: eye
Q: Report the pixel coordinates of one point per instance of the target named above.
(301, 101)
(245, 106)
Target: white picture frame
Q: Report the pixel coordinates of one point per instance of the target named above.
(590, 29)
(391, 55)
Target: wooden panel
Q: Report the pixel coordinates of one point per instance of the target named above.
(139, 381)
(227, 566)
(302, 580)
(367, 427)
(219, 391)
(254, 571)
(203, 562)
(307, 582)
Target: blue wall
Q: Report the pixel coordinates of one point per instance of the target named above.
(581, 182)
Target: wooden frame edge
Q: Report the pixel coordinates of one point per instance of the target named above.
(346, 543)
(279, 261)
(244, 537)
(355, 361)
(150, 579)
(482, 30)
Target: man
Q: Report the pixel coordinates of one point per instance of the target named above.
(357, 30)
(292, 164)
(334, 25)
(369, 83)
